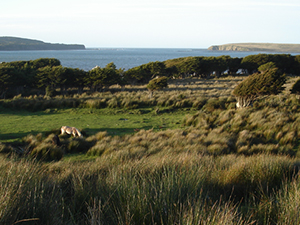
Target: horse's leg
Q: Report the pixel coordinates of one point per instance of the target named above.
(74, 132)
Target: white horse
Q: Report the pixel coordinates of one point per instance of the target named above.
(70, 130)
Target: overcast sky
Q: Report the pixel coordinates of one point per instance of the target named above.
(152, 23)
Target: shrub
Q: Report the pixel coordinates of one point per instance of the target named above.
(157, 84)
(296, 88)
(267, 66)
(267, 83)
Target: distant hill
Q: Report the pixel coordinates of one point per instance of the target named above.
(265, 47)
(17, 44)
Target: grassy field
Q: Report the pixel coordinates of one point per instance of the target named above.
(186, 156)
(118, 113)
(18, 124)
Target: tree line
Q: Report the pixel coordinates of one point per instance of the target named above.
(45, 75)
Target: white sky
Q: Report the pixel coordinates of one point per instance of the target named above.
(152, 23)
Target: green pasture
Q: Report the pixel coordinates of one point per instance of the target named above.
(15, 125)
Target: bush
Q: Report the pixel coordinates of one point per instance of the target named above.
(157, 84)
(263, 68)
(267, 83)
(296, 88)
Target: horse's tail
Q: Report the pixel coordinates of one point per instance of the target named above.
(78, 132)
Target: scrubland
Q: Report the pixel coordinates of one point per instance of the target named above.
(221, 165)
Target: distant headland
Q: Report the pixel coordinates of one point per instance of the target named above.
(264, 47)
(20, 44)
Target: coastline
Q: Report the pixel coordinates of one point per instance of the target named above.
(254, 47)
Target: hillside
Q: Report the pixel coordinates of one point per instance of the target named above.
(17, 44)
(266, 47)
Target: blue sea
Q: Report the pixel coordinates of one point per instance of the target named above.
(122, 57)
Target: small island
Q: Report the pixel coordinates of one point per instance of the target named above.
(258, 47)
(22, 44)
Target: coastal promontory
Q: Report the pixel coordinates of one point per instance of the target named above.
(262, 47)
(19, 44)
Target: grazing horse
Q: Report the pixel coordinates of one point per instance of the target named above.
(70, 130)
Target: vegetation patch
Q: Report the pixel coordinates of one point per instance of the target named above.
(185, 156)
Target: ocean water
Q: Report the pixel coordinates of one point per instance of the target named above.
(122, 57)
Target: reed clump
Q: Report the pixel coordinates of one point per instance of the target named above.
(163, 188)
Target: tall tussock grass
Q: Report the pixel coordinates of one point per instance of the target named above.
(224, 166)
(269, 128)
(216, 129)
(184, 94)
(177, 188)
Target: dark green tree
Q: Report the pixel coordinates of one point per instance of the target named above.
(234, 65)
(296, 65)
(258, 84)
(144, 73)
(220, 64)
(188, 66)
(6, 79)
(50, 78)
(296, 88)
(135, 75)
(284, 62)
(252, 62)
(74, 78)
(267, 66)
(155, 68)
(98, 77)
(157, 84)
(111, 75)
(43, 62)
